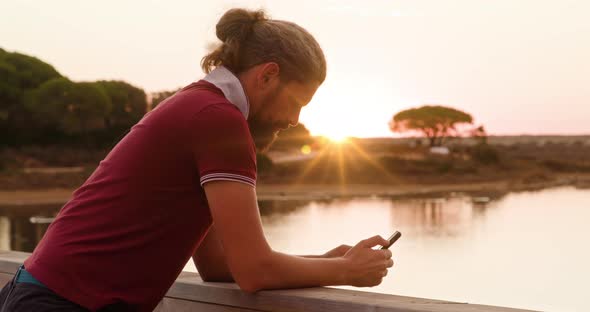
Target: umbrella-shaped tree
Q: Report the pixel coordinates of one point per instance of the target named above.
(435, 122)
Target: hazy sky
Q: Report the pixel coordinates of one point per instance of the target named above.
(519, 66)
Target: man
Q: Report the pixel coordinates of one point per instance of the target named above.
(182, 184)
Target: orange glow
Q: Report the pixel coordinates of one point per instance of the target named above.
(338, 139)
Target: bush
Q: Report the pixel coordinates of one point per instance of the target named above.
(484, 154)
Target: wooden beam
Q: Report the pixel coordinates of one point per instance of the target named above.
(190, 293)
(180, 305)
(189, 286)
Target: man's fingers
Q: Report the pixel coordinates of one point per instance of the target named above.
(386, 253)
(386, 264)
(389, 263)
(373, 241)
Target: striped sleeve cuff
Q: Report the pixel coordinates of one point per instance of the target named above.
(227, 177)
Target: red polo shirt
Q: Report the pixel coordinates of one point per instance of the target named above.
(131, 227)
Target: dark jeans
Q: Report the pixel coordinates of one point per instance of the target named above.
(28, 297)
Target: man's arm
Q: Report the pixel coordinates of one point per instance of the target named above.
(210, 261)
(255, 266)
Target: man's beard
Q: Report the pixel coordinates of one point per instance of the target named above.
(263, 133)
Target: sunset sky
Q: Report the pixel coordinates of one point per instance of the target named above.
(519, 67)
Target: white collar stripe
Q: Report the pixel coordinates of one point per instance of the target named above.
(231, 87)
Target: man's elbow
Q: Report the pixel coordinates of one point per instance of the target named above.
(249, 283)
(249, 278)
(254, 277)
(249, 287)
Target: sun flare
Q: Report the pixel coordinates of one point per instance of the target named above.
(337, 138)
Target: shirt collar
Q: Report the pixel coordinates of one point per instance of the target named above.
(231, 87)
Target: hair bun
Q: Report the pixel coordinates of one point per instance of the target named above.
(236, 24)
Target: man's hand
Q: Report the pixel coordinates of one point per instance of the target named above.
(367, 266)
(337, 252)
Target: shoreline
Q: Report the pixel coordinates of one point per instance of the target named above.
(319, 191)
(58, 196)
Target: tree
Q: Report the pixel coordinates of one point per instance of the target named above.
(19, 74)
(129, 104)
(69, 107)
(31, 72)
(435, 122)
(39, 105)
(10, 93)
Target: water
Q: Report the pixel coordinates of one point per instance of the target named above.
(525, 250)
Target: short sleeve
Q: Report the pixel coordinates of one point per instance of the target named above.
(222, 146)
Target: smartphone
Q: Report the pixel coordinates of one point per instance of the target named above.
(392, 239)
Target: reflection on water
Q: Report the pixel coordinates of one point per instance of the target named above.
(527, 250)
(438, 217)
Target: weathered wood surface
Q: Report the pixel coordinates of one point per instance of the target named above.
(190, 293)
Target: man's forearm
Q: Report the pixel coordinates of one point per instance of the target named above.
(312, 256)
(217, 271)
(288, 271)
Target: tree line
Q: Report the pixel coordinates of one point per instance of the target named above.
(38, 105)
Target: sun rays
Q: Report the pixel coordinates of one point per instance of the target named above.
(343, 157)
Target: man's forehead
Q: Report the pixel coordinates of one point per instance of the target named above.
(300, 92)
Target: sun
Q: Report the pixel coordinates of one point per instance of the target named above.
(338, 138)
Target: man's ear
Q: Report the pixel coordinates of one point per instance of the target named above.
(268, 74)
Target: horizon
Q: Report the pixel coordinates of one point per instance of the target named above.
(518, 68)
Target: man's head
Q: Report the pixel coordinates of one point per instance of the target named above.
(279, 64)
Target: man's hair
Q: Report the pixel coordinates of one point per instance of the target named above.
(250, 38)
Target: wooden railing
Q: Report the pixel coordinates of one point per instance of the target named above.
(190, 293)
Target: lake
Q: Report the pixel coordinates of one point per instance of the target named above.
(524, 250)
